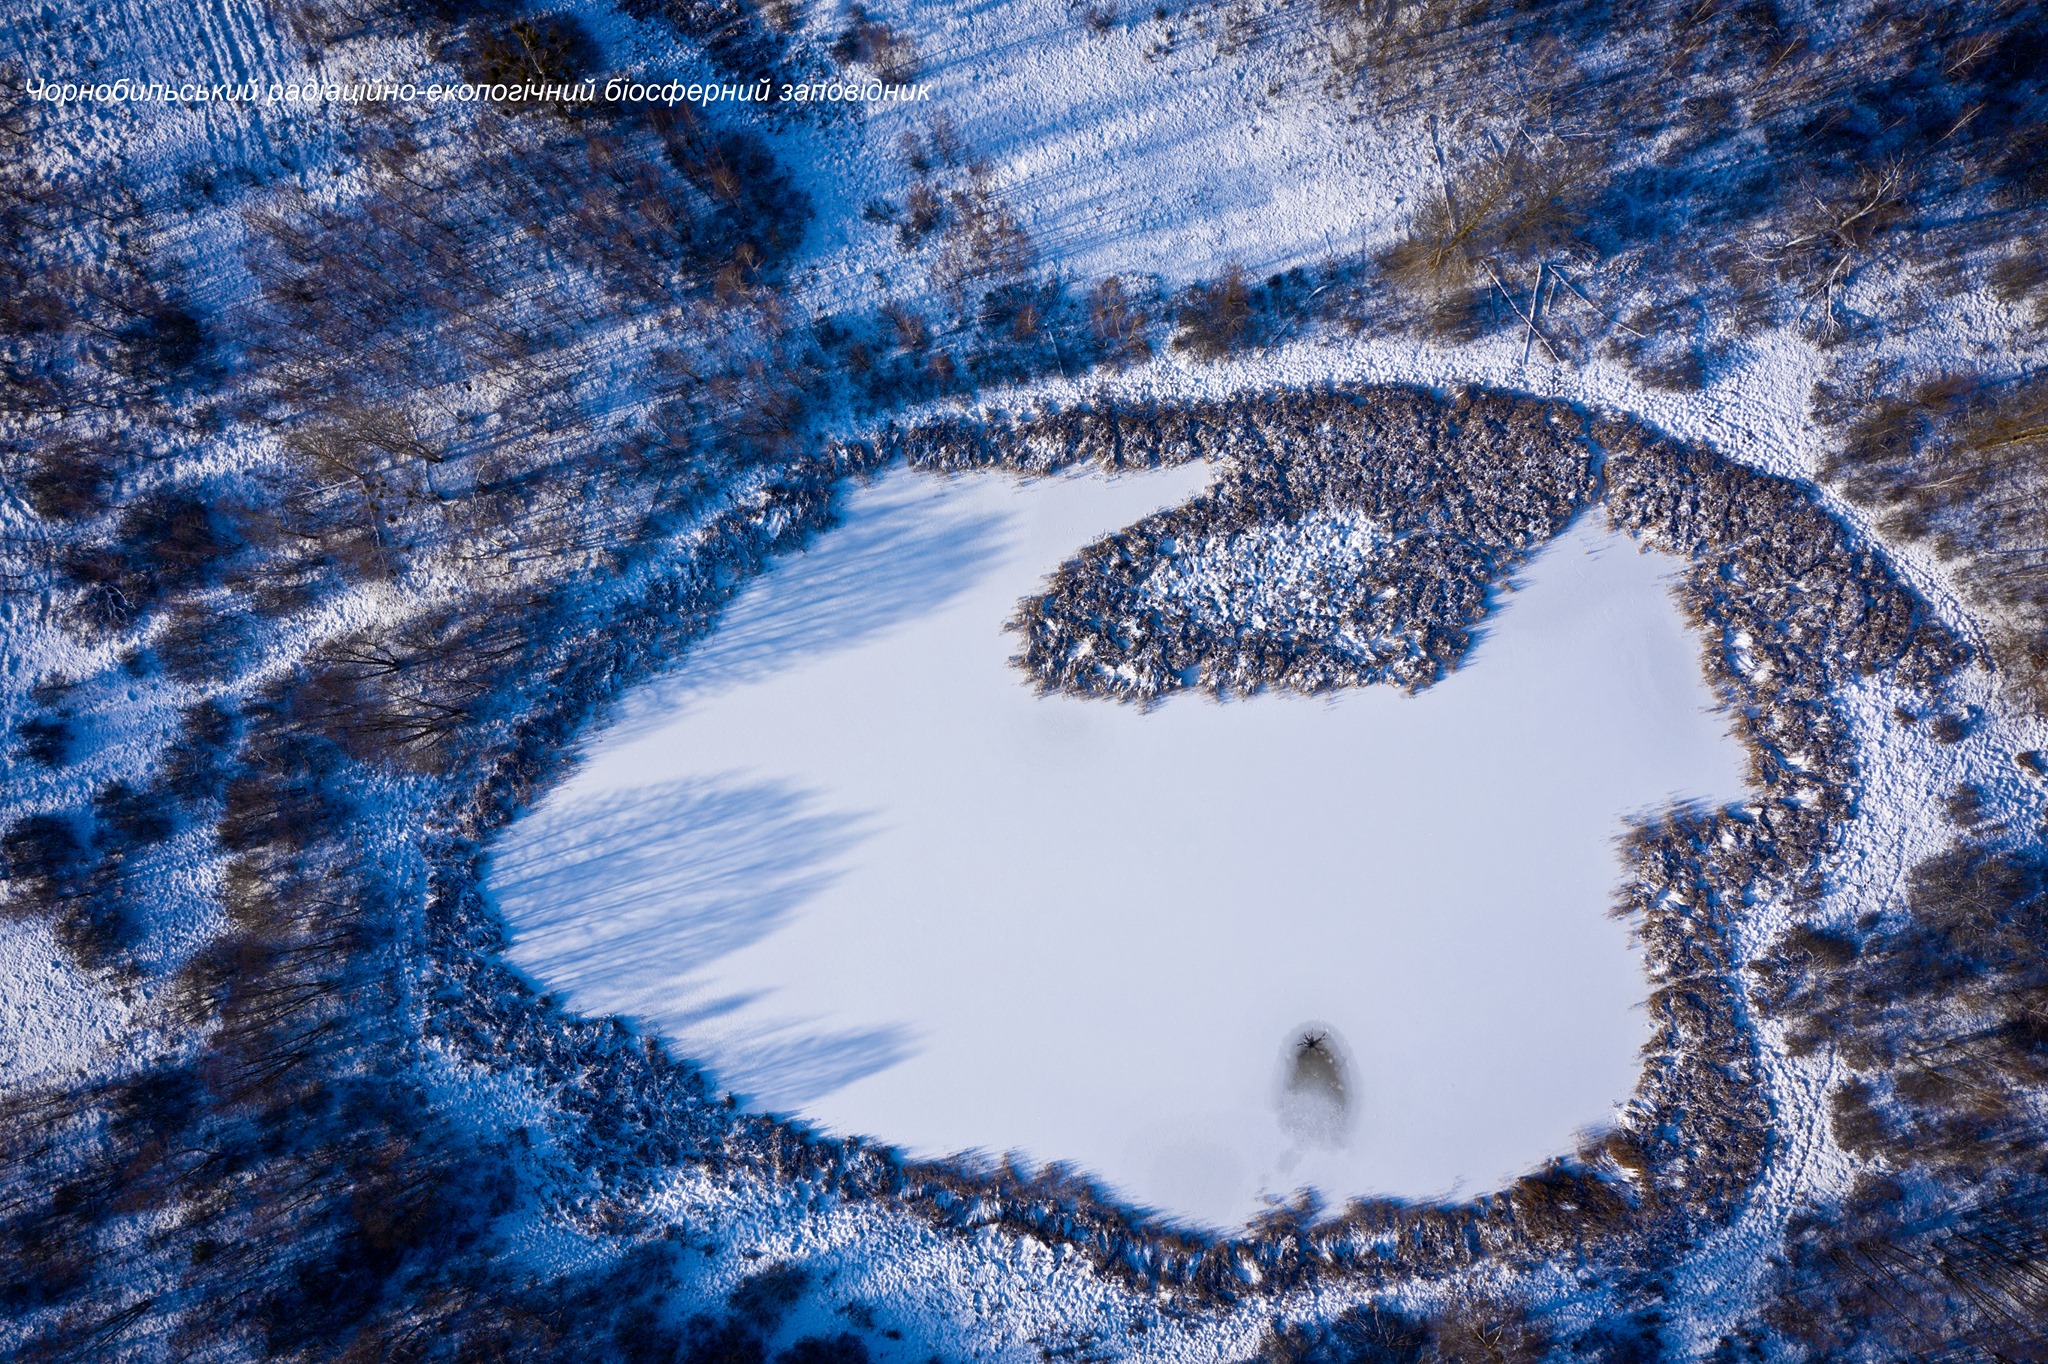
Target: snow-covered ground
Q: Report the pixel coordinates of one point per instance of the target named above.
(1174, 141)
(847, 856)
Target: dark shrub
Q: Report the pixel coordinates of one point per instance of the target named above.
(69, 480)
(45, 860)
(727, 1342)
(844, 1348)
(46, 739)
(197, 766)
(169, 543)
(167, 345)
(552, 49)
(1215, 318)
(97, 926)
(175, 541)
(765, 1297)
(200, 646)
(131, 816)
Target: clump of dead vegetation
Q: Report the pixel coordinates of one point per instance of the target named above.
(1117, 324)
(867, 40)
(545, 49)
(1492, 233)
(1214, 317)
(980, 240)
(1378, 521)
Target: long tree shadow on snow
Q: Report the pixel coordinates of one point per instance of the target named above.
(894, 563)
(627, 897)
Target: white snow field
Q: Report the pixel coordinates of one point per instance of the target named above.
(847, 857)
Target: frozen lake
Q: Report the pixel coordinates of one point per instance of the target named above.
(1208, 954)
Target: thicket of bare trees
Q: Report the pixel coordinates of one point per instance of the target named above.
(427, 357)
(1214, 317)
(1118, 324)
(1788, 149)
(1959, 462)
(546, 49)
(1480, 1332)
(1941, 1247)
(868, 40)
(1507, 215)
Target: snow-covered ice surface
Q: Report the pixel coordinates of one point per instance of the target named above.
(848, 857)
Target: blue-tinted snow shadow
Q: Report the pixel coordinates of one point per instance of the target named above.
(893, 559)
(620, 902)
